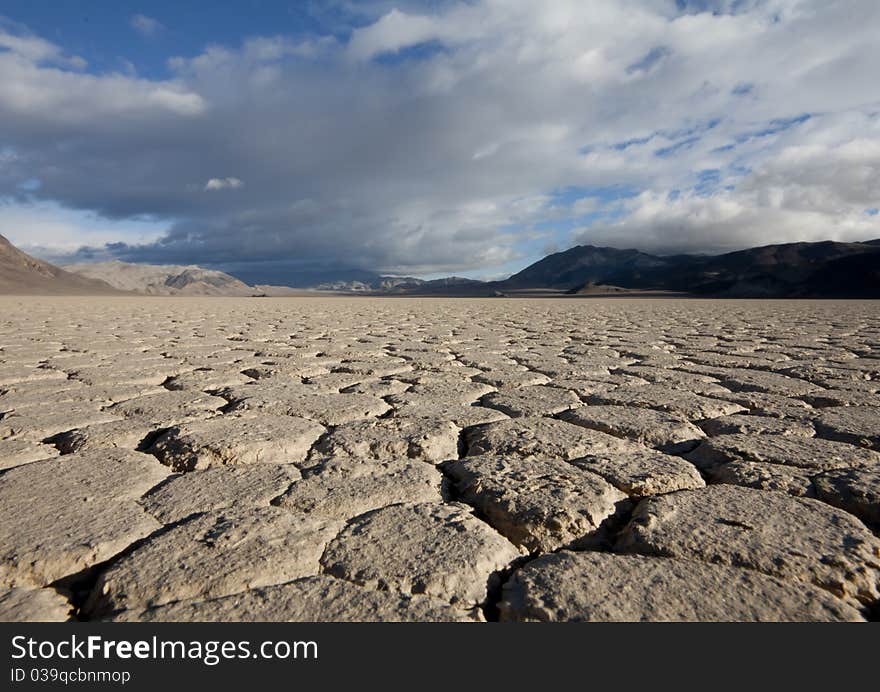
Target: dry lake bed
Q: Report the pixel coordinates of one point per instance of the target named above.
(438, 459)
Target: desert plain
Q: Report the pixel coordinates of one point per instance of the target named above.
(338, 458)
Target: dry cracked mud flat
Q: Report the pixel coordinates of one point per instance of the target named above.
(405, 459)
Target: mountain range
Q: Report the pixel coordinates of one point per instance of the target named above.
(401, 284)
(793, 270)
(824, 269)
(163, 280)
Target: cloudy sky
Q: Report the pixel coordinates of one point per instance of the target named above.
(434, 137)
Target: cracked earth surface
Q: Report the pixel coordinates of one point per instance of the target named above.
(431, 459)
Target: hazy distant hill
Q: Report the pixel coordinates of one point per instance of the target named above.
(368, 283)
(401, 284)
(154, 279)
(21, 274)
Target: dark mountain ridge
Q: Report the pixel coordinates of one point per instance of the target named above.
(790, 270)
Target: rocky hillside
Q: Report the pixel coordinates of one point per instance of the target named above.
(21, 274)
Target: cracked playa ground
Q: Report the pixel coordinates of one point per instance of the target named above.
(404, 459)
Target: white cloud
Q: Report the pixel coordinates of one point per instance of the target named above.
(397, 30)
(816, 184)
(33, 49)
(223, 184)
(145, 26)
(36, 88)
(725, 222)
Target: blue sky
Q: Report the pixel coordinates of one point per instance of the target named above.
(433, 138)
(106, 33)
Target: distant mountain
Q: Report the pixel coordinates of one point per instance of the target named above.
(21, 274)
(368, 283)
(164, 280)
(282, 272)
(792, 270)
(273, 291)
(451, 282)
(401, 284)
(583, 265)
